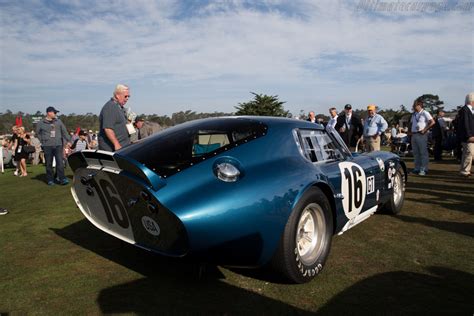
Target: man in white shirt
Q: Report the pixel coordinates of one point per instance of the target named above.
(421, 122)
(394, 131)
(332, 117)
(311, 117)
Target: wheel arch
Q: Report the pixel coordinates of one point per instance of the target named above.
(327, 191)
(404, 167)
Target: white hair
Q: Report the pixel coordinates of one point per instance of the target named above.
(469, 98)
(120, 88)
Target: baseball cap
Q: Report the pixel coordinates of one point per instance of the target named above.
(51, 109)
(371, 107)
(140, 118)
(348, 107)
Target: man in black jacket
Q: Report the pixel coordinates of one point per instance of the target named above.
(438, 133)
(349, 127)
(465, 133)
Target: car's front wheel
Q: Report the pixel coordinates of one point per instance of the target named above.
(306, 241)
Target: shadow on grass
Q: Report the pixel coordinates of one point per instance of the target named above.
(443, 291)
(85, 235)
(42, 177)
(177, 296)
(466, 229)
(454, 197)
(171, 285)
(446, 175)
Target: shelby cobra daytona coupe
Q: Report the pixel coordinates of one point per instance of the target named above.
(242, 191)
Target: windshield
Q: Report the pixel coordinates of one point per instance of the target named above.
(182, 146)
(335, 135)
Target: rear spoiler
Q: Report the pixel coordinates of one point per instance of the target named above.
(116, 163)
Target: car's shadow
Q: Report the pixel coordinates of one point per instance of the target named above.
(85, 235)
(177, 295)
(170, 285)
(443, 291)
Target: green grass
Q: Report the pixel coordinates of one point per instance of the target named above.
(52, 261)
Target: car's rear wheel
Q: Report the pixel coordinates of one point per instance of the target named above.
(306, 241)
(395, 204)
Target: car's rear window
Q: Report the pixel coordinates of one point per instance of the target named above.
(182, 146)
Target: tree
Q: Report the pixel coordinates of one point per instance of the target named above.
(262, 105)
(431, 103)
(302, 115)
(394, 116)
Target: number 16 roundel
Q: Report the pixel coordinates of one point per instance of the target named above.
(353, 188)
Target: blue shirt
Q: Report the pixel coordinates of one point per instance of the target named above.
(374, 125)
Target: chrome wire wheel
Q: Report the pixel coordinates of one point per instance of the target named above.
(397, 188)
(310, 234)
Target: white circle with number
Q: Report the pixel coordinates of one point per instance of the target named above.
(353, 188)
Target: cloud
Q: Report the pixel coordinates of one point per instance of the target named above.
(310, 54)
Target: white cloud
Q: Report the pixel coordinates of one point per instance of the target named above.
(311, 55)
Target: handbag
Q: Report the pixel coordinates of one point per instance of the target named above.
(29, 149)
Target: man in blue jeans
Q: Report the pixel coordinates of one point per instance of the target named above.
(52, 133)
(421, 122)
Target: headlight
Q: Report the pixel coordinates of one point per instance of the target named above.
(227, 172)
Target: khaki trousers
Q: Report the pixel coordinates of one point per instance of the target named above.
(372, 144)
(467, 156)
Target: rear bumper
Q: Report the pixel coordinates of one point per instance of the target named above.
(118, 196)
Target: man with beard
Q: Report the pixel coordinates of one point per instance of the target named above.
(349, 127)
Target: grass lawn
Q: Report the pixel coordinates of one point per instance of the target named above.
(52, 261)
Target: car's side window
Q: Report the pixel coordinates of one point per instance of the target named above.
(317, 146)
(208, 141)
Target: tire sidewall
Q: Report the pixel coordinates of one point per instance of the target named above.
(392, 207)
(297, 270)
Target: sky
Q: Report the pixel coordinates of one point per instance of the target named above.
(207, 56)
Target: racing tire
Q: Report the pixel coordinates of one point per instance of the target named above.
(306, 240)
(395, 204)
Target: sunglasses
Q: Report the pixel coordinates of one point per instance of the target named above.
(126, 96)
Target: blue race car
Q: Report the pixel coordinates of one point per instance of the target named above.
(238, 191)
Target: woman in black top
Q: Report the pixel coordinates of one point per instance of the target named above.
(13, 145)
(20, 154)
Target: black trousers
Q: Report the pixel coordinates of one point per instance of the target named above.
(438, 148)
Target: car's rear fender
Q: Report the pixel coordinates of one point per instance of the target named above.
(324, 185)
(251, 211)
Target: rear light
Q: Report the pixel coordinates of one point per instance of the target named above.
(227, 172)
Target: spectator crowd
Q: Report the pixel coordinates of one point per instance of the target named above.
(367, 135)
(51, 144)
